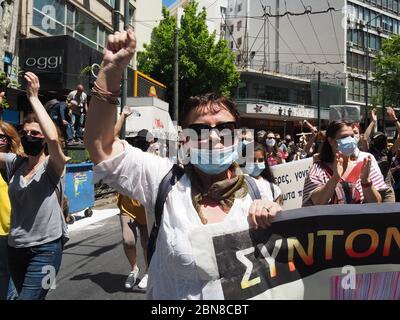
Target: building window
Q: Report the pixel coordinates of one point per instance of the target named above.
(49, 16)
(56, 17)
(110, 2)
(231, 44)
(223, 11)
(132, 11)
(239, 42)
(239, 7)
(239, 25)
(86, 29)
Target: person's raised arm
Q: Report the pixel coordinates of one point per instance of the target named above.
(99, 137)
(372, 125)
(57, 157)
(126, 112)
(392, 116)
(310, 143)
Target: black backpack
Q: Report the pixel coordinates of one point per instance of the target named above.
(170, 179)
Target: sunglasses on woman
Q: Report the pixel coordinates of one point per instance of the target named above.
(3, 138)
(203, 131)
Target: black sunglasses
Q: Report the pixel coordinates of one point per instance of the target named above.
(203, 130)
(4, 137)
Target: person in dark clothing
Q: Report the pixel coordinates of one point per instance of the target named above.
(395, 171)
(61, 116)
(383, 155)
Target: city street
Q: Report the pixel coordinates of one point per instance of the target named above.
(94, 266)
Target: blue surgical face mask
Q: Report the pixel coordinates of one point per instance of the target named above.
(255, 169)
(347, 146)
(214, 161)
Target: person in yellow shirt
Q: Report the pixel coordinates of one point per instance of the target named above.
(9, 142)
(132, 213)
(133, 218)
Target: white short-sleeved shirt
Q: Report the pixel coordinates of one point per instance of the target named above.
(265, 189)
(172, 273)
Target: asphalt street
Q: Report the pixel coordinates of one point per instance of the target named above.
(94, 266)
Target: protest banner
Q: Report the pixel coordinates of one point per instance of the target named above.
(338, 252)
(290, 178)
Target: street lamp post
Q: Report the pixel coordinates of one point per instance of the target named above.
(282, 113)
(366, 50)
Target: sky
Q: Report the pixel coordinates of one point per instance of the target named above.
(168, 2)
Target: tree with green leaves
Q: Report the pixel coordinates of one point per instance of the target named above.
(387, 72)
(205, 64)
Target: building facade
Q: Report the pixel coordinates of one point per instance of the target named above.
(285, 41)
(59, 39)
(216, 12)
(300, 38)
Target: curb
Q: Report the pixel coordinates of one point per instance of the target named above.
(98, 215)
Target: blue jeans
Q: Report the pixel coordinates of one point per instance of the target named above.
(77, 125)
(7, 288)
(33, 269)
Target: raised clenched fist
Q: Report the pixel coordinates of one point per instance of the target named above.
(119, 52)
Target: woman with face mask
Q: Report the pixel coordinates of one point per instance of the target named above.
(339, 176)
(36, 184)
(9, 142)
(273, 154)
(211, 190)
(258, 168)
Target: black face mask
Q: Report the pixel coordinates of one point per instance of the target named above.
(32, 146)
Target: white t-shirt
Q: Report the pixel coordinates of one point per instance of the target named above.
(265, 189)
(173, 274)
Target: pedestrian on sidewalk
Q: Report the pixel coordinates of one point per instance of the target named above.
(133, 214)
(9, 142)
(78, 103)
(36, 186)
(206, 193)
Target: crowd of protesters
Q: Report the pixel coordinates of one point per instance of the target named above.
(179, 193)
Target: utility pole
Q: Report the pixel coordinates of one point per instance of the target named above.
(176, 67)
(319, 101)
(265, 38)
(277, 37)
(117, 14)
(383, 110)
(366, 51)
(124, 91)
